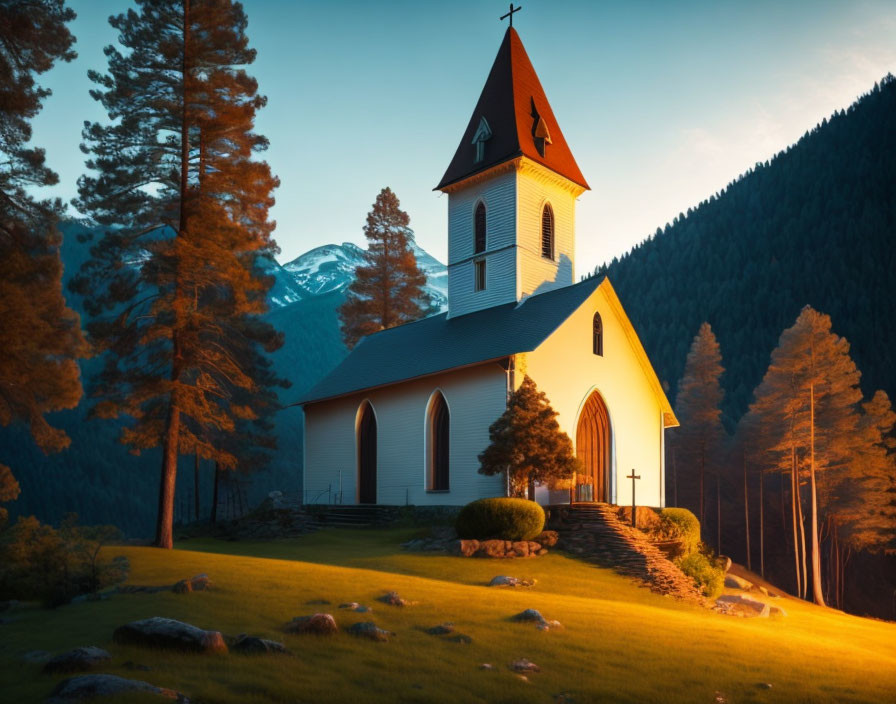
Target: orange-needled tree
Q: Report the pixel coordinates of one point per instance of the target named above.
(388, 289)
(176, 285)
(41, 337)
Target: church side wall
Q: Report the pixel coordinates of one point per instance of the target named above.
(565, 368)
(537, 274)
(476, 397)
(499, 196)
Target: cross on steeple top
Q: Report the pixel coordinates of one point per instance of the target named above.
(510, 14)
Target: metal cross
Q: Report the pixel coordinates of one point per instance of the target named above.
(633, 477)
(510, 14)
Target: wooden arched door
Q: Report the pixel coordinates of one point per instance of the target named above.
(367, 455)
(593, 450)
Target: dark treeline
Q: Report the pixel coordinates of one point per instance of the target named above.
(813, 226)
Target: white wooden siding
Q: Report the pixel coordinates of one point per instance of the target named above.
(475, 396)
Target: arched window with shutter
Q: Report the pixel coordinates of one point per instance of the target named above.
(438, 427)
(547, 232)
(598, 341)
(479, 228)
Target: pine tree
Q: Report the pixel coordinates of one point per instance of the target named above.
(527, 443)
(697, 442)
(811, 389)
(41, 337)
(388, 289)
(176, 285)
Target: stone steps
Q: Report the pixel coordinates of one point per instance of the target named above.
(595, 533)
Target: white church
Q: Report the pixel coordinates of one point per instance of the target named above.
(404, 417)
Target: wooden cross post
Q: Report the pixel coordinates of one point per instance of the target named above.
(633, 477)
(510, 14)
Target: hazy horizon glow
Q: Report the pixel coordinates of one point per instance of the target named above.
(662, 105)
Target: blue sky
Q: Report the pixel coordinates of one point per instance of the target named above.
(663, 103)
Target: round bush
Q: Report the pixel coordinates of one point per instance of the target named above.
(681, 524)
(506, 519)
(710, 579)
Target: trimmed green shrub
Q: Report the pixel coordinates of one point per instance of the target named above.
(698, 567)
(681, 524)
(506, 519)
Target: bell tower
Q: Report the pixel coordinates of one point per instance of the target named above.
(512, 187)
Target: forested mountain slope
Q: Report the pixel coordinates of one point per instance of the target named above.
(814, 225)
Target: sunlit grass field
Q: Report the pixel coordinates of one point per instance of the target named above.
(620, 643)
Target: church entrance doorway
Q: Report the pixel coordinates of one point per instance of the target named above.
(367, 456)
(593, 450)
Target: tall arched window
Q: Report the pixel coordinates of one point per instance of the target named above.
(438, 423)
(479, 228)
(366, 443)
(547, 232)
(598, 342)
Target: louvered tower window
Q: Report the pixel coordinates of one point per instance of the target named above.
(598, 341)
(479, 228)
(547, 232)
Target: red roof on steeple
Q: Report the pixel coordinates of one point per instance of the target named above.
(512, 102)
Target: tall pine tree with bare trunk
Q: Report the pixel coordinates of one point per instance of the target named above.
(41, 336)
(698, 441)
(175, 285)
(388, 289)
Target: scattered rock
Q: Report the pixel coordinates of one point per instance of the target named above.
(131, 665)
(739, 605)
(355, 606)
(317, 602)
(461, 638)
(441, 630)
(505, 581)
(77, 660)
(160, 632)
(393, 599)
(547, 538)
(250, 645)
(776, 611)
(764, 685)
(522, 677)
(486, 666)
(548, 625)
(319, 624)
(734, 582)
(76, 689)
(528, 615)
(465, 548)
(763, 590)
(199, 583)
(368, 629)
(726, 563)
(36, 656)
(524, 665)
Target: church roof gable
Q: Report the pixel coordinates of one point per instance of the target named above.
(439, 343)
(520, 119)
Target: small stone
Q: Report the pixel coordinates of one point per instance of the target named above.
(441, 630)
(763, 590)
(524, 665)
(250, 645)
(528, 615)
(461, 638)
(547, 538)
(522, 677)
(168, 633)
(465, 548)
(368, 629)
(318, 624)
(486, 666)
(732, 581)
(393, 599)
(765, 685)
(355, 606)
(776, 611)
(81, 687)
(505, 581)
(77, 660)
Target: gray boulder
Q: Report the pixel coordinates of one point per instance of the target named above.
(317, 624)
(77, 660)
(505, 581)
(732, 581)
(169, 634)
(76, 689)
(441, 630)
(368, 629)
(529, 615)
(250, 645)
(743, 606)
(199, 583)
(355, 606)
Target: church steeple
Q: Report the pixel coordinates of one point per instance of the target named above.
(512, 187)
(518, 119)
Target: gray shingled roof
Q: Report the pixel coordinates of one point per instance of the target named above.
(438, 343)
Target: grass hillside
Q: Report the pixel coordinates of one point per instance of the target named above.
(620, 642)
